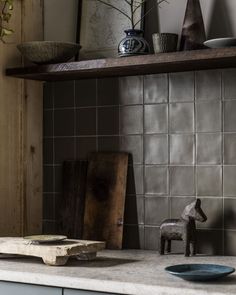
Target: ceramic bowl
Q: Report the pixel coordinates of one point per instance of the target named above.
(46, 52)
(220, 42)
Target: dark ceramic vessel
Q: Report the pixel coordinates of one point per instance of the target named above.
(133, 44)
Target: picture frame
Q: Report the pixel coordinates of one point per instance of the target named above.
(99, 36)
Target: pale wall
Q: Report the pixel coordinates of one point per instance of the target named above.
(219, 16)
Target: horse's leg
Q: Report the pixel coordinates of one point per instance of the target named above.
(162, 245)
(168, 246)
(186, 240)
(193, 247)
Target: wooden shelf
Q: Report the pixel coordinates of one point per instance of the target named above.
(135, 65)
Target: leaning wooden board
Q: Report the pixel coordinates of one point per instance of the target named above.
(105, 198)
(52, 254)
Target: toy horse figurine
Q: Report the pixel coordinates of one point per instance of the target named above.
(182, 229)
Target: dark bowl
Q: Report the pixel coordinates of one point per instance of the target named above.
(48, 52)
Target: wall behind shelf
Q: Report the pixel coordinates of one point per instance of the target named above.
(181, 131)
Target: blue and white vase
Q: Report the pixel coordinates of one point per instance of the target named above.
(133, 44)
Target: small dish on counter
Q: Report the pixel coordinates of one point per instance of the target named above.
(45, 238)
(220, 42)
(200, 272)
(48, 52)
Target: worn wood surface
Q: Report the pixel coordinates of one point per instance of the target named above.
(134, 65)
(105, 198)
(19, 124)
(71, 206)
(52, 254)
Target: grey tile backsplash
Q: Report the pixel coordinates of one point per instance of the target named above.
(180, 129)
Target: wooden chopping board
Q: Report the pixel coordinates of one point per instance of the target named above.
(71, 206)
(105, 198)
(52, 254)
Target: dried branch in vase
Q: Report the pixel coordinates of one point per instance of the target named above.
(133, 6)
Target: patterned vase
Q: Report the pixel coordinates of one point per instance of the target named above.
(133, 44)
(193, 32)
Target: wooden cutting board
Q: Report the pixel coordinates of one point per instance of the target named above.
(71, 206)
(52, 254)
(105, 198)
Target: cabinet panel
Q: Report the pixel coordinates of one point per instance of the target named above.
(81, 292)
(25, 289)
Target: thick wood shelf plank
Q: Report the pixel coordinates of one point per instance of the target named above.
(135, 65)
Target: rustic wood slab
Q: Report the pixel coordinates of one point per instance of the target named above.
(105, 198)
(52, 254)
(71, 208)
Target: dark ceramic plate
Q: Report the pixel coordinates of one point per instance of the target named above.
(199, 272)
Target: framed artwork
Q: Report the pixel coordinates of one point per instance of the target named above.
(101, 28)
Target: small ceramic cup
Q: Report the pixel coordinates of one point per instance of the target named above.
(164, 42)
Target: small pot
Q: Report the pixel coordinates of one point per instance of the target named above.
(133, 44)
(164, 42)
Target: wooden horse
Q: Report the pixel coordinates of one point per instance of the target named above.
(182, 229)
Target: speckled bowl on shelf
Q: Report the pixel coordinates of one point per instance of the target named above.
(48, 52)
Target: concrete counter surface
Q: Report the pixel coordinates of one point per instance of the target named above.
(131, 272)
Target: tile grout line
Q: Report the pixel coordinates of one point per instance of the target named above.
(143, 163)
(169, 140)
(195, 136)
(222, 160)
(53, 147)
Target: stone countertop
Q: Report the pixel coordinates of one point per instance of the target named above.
(131, 272)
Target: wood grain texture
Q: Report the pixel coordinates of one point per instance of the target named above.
(52, 254)
(14, 129)
(105, 198)
(134, 65)
(71, 206)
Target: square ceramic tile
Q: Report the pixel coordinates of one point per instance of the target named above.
(230, 148)
(49, 227)
(48, 182)
(131, 90)
(208, 116)
(48, 92)
(156, 210)
(86, 121)
(85, 93)
(229, 181)
(85, 146)
(156, 180)
(133, 237)
(47, 151)
(210, 242)
(64, 94)
(178, 204)
(230, 213)
(48, 123)
(229, 77)
(181, 86)
(108, 121)
(208, 84)
(182, 181)
(209, 181)
(152, 234)
(181, 117)
(108, 143)
(134, 146)
(230, 243)
(64, 149)
(209, 148)
(48, 206)
(229, 116)
(155, 118)
(156, 149)
(134, 210)
(155, 88)
(58, 179)
(108, 91)
(64, 122)
(182, 149)
(135, 180)
(213, 208)
(131, 120)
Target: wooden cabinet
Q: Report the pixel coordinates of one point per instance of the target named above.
(25, 289)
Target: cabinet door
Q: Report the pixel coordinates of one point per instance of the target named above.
(81, 292)
(25, 289)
